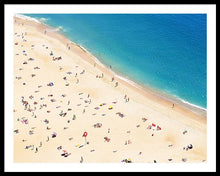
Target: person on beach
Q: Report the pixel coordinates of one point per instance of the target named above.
(59, 148)
(48, 138)
(173, 106)
(36, 150)
(116, 84)
(27, 147)
(81, 160)
(74, 117)
(32, 147)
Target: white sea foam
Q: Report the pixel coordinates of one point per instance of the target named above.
(168, 97)
(43, 19)
(59, 28)
(40, 21)
(193, 105)
(127, 80)
(26, 18)
(96, 60)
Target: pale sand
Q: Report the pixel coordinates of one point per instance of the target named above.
(142, 146)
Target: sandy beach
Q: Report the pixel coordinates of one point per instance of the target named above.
(70, 108)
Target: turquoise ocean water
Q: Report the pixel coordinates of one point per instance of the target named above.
(166, 52)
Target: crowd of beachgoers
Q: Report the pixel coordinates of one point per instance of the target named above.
(57, 112)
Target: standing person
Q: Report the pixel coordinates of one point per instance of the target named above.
(173, 106)
(36, 150)
(81, 160)
(47, 138)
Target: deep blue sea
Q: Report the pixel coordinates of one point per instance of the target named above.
(166, 52)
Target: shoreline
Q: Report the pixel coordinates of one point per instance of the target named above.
(176, 100)
(145, 90)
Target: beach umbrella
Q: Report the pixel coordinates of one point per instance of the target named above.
(85, 135)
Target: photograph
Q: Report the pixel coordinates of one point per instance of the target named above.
(111, 88)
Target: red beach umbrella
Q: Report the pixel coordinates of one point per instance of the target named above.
(85, 134)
